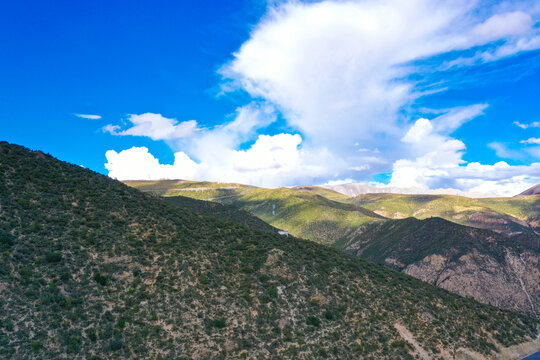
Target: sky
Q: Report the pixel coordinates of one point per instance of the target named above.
(407, 93)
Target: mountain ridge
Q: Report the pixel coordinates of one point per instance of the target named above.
(341, 222)
(535, 190)
(92, 268)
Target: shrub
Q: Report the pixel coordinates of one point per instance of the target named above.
(36, 346)
(116, 344)
(313, 320)
(53, 257)
(219, 323)
(101, 279)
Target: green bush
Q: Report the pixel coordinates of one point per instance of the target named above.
(219, 323)
(313, 321)
(53, 257)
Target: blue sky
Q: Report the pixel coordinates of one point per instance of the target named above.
(417, 94)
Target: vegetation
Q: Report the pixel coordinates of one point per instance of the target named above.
(309, 212)
(140, 277)
(221, 211)
(507, 215)
(410, 240)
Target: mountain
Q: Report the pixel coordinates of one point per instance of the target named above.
(535, 190)
(91, 268)
(355, 189)
(506, 215)
(201, 190)
(491, 267)
(369, 221)
(309, 212)
(221, 211)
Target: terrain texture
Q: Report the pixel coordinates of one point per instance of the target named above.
(91, 268)
(491, 267)
(495, 258)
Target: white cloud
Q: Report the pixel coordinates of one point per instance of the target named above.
(340, 73)
(531, 141)
(270, 161)
(503, 25)
(504, 187)
(457, 116)
(526, 126)
(502, 151)
(88, 116)
(436, 156)
(155, 126)
(439, 164)
(338, 62)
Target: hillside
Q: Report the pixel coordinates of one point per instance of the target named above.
(327, 217)
(309, 212)
(355, 189)
(200, 190)
(506, 215)
(491, 267)
(535, 190)
(91, 268)
(221, 211)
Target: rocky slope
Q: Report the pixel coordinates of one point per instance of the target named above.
(330, 218)
(491, 267)
(535, 190)
(91, 268)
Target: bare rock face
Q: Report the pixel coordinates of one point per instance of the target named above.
(512, 284)
(493, 268)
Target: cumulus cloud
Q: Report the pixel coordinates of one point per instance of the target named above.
(345, 63)
(270, 161)
(154, 126)
(88, 116)
(440, 164)
(340, 74)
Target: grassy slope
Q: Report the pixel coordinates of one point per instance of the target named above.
(91, 267)
(309, 212)
(221, 211)
(200, 190)
(507, 215)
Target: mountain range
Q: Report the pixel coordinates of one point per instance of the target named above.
(92, 268)
(355, 189)
(486, 248)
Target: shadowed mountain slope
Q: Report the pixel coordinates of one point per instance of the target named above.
(491, 267)
(91, 268)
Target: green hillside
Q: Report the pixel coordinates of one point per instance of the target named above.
(200, 190)
(221, 211)
(508, 215)
(310, 212)
(91, 268)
